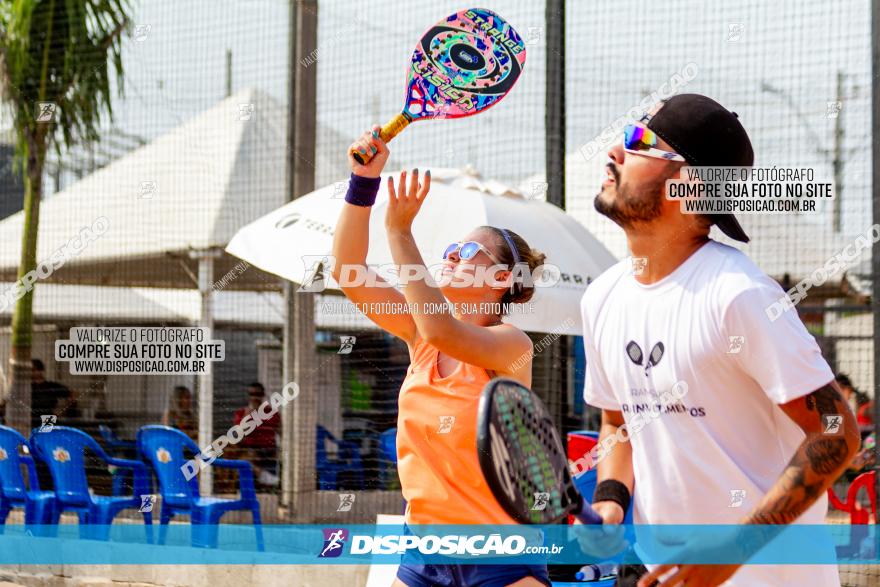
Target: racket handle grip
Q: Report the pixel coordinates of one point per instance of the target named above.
(588, 515)
(391, 129)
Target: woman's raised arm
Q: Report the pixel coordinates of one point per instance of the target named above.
(351, 241)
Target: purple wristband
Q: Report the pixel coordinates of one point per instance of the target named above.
(362, 190)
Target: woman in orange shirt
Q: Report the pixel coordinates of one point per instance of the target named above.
(453, 355)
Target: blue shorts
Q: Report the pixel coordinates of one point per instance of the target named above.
(415, 573)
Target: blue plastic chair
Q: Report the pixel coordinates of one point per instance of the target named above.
(39, 506)
(388, 455)
(164, 448)
(113, 442)
(388, 442)
(117, 448)
(115, 445)
(348, 460)
(63, 449)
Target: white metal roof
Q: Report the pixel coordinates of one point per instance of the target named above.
(191, 188)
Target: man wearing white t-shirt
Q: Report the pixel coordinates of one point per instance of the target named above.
(759, 430)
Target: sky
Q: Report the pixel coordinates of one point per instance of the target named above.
(775, 63)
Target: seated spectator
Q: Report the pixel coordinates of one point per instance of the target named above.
(180, 413)
(863, 407)
(848, 391)
(866, 458)
(53, 401)
(4, 389)
(855, 398)
(865, 418)
(49, 398)
(259, 446)
(861, 404)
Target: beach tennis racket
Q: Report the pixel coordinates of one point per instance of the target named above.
(522, 457)
(462, 65)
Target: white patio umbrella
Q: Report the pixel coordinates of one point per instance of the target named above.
(289, 241)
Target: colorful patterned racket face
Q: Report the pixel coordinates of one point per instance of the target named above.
(522, 457)
(463, 65)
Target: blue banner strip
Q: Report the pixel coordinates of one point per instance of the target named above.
(474, 544)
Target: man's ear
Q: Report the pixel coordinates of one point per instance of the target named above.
(678, 173)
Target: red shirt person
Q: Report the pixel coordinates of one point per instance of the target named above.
(261, 442)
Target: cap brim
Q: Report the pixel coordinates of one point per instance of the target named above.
(730, 226)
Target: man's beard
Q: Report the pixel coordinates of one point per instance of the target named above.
(630, 206)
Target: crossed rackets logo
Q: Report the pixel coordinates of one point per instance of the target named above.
(635, 354)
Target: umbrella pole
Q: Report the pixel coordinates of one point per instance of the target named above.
(206, 379)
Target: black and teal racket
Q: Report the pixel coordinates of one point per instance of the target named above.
(522, 457)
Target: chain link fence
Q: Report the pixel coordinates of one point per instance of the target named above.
(198, 147)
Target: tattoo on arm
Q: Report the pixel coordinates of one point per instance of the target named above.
(826, 456)
(825, 400)
(814, 467)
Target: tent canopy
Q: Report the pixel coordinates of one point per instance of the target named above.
(264, 310)
(188, 190)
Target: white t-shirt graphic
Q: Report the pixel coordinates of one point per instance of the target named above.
(711, 457)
